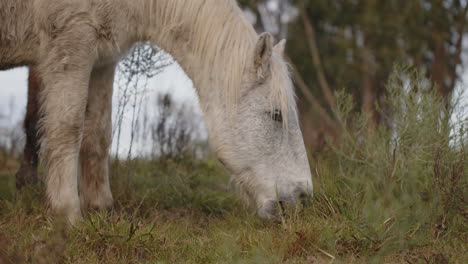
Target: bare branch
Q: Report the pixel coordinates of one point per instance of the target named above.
(313, 101)
(312, 41)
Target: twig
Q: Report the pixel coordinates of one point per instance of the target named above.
(312, 41)
(313, 101)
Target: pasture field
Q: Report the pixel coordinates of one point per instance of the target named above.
(182, 213)
(381, 195)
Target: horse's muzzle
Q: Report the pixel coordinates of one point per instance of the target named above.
(284, 205)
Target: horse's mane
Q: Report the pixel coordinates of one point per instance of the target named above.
(227, 42)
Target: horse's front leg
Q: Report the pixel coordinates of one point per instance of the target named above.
(65, 73)
(94, 184)
(64, 103)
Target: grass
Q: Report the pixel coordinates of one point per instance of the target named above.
(385, 195)
(184, 214)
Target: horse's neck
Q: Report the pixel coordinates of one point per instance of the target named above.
(208, 38)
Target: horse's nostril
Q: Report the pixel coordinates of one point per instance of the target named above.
(285, 205)
(304, 199)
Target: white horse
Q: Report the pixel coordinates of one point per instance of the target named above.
(242, 82)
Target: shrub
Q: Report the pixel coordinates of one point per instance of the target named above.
(403, 183)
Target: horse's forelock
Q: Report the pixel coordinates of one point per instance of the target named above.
(282, 96)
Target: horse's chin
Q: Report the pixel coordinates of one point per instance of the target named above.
(283, 201)
(265, 208)
(274, 209)
(269, 210)
(271, 200)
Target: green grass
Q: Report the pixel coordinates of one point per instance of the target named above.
(182, 213)
(381, 196)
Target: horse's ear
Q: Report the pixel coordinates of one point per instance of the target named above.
(280, 47)
(263, 52)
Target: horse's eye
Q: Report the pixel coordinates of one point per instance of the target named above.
(277, 116)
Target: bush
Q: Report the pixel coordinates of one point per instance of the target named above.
(404, 183)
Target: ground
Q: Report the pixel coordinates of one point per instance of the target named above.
(184, 212)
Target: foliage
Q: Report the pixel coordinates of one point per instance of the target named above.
(176, 130)
(361, 40)
(408, 181)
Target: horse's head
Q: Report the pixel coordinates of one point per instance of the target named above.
(259, 141)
